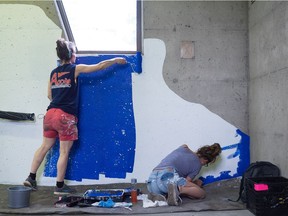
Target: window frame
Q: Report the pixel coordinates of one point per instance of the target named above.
(69, 34)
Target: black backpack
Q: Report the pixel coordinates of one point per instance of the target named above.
(257, 169)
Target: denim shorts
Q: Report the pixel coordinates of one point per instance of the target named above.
(160, 178)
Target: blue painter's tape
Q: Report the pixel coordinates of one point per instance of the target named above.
(135, 62)
(139, 62)
(106, 125)
(243, 151)
(244, 156)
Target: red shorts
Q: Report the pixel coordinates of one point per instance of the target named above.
(58, 123)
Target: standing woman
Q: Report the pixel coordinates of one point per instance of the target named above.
(175, 174)
(61, 118)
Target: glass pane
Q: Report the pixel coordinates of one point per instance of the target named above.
(103, 25)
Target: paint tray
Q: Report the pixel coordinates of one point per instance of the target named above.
(117, 195)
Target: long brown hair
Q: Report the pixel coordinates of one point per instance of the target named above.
(209, 152)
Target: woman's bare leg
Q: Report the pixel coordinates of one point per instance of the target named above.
(41, 153)
(65, 147)
(192, 190)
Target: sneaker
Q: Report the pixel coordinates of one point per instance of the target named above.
(29, 182)
(173, 195)
(156, 197)
(64, 190)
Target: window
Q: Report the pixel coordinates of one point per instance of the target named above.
(102, 26)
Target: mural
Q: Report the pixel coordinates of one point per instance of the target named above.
(119, 108)
(128, 121)
(106, 142)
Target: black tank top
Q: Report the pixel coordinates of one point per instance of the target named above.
(64, 89)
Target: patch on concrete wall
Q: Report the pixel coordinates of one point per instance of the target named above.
(106, 142)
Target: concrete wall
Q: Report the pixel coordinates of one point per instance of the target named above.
(194, 101)
(268, 89)
(217, 77)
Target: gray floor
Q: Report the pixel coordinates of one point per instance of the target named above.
(205, 213)
(209, 213)
(216, 203)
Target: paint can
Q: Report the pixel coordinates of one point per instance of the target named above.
(18, 197)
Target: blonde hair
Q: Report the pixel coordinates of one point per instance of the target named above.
(209, 152)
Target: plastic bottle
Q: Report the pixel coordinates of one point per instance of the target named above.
(134, 190)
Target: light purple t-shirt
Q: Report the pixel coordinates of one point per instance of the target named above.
(184, 161)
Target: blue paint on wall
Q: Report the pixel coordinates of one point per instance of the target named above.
(106, 126)
(242, 149)
(107, 137)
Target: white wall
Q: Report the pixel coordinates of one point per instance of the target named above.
(27, 56)
(163, 119)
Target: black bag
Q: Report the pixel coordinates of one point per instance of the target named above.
(257, 169)
(16, 116)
